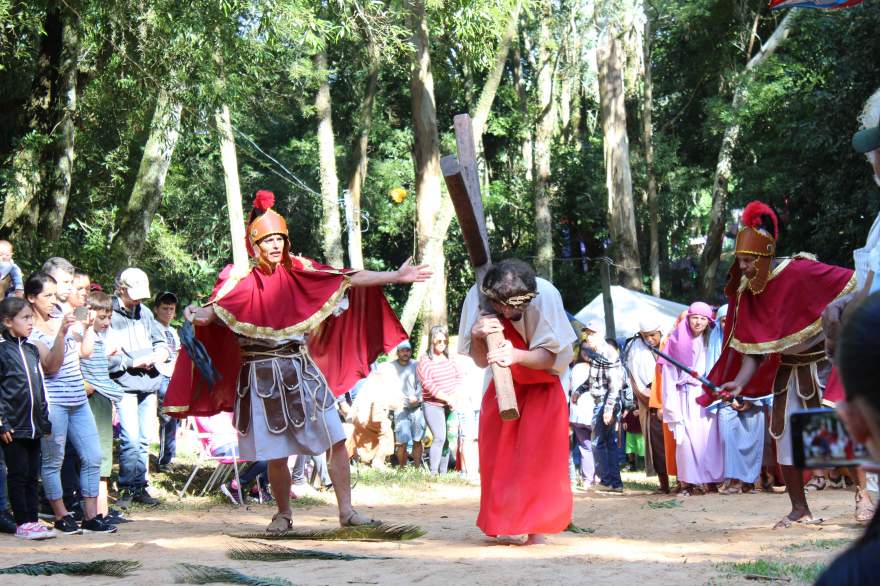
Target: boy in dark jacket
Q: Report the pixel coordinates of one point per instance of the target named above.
(24, 418)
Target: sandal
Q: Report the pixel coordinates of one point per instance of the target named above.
(786, 523)
(839, 482)
(281, 522)
(355, 519)
(864, 508)
(816, 483)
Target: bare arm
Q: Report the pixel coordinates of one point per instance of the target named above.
(505, 354)
(52, 359)
(747, 370)
(407, 273)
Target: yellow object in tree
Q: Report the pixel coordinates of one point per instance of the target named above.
(397, 195)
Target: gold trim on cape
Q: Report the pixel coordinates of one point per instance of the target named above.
(266, 333)
(783, 344)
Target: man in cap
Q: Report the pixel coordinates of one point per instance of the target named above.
(141, 346)
(604, 384)
(409, 421)
(641, 366)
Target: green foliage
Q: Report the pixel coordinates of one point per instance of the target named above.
(199, 574)
(384, 532)
(114, 568)
(261, 552)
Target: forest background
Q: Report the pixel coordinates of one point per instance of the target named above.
(632, 129)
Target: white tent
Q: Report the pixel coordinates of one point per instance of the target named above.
(629, 308)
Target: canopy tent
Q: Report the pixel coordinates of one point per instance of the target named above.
(630, 307)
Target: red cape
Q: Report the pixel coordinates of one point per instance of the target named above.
(787, 313)
(277, 306)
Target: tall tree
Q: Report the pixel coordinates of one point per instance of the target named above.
(426, 154)
(65, 97)
(331, 229)
(618, 177)
(711, 256)
(544, 128)
(648, 139)
(146, 194)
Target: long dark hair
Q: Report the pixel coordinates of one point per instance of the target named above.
(435, 331)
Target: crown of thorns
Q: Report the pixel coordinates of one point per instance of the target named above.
(514, 301)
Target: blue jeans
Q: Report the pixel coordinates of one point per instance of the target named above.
(135, 413)
(78, 425)
(167, 429)
(605, 454)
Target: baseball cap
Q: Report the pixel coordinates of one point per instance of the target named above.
(867, 139)
(136, 283)
(405, 345)
(594, 325)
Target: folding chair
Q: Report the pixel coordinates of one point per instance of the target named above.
(226, 465)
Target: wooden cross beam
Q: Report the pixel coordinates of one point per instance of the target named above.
(463, 182)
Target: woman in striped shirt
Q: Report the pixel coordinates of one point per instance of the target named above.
(61, 341)
(440, 378)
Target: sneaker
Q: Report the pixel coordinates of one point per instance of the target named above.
(7, 523)
(67, 526)
(144, 498)
(34, 532)
(126, 498)
(116, 517)
(97, 524)
(230, 493)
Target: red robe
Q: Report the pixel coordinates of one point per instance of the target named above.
(277, 306)
(787, 313)
(524, 485)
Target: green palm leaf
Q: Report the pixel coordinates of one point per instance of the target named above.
(261, 552)
(115, 568)
(384, 532)
(198, 574)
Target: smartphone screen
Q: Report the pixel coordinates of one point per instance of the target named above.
(81, 313)
(820, 440)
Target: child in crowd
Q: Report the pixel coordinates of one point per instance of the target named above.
(24, 416)
(103, 394)
(166, 310)
(11, 283)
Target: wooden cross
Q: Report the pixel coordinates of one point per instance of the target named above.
(463, 182)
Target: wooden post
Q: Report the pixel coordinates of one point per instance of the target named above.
(607, 303)
(233, 189)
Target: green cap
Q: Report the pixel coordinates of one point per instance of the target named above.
(866, 140)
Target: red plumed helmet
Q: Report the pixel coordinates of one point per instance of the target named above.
(759, 215)
(264, 199)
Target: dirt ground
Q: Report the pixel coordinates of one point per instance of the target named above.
(633, 542)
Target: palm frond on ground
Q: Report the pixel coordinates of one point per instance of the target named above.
(262, 552)
(115, 568)
(384, 532)
(199, 574)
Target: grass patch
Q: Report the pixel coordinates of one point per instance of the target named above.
(409, 477)
(827, 544)
(803, 573)
(643, 485)
(665, 504)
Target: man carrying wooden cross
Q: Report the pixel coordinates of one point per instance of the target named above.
(524, 490)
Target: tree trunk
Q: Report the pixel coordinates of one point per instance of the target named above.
(28, 174)
(331, 229)
(648, 138)
(358, 165)
(711, 256)
(522, 95)
(618, 178)
(426, 153)
(65, 106)
(146, 195)
(545, 124)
